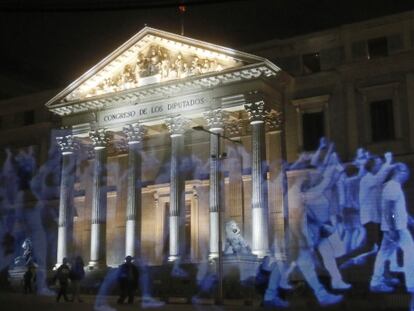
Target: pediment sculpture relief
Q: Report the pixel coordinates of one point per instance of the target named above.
(156, 64)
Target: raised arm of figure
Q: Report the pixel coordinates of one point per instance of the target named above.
(385, 168)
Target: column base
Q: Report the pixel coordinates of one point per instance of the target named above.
(212, 256)
(130, 238)
(173, 258)
(260, 235)
(96, 265)
(261, 253)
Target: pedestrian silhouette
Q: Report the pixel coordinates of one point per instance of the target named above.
(128, 280)
(77, 274)
(63, 276)
(29, 278)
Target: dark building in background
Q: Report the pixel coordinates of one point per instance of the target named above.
(353, 84)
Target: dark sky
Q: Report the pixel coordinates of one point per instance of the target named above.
(47, 44)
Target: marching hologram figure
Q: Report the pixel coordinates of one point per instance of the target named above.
(370, 193)
(300, 253)
(348, 184)
(373, 174)
(322, 220)
(394, 220)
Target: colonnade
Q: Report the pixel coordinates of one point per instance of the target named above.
(177, 126)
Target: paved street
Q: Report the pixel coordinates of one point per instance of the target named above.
(20, 302)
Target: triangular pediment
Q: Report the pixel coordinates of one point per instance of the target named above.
(152, 56)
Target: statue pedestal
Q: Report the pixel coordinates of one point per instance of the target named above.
(241, 266)
(16, 276)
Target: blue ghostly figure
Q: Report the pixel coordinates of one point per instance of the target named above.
(348, 185)
(370, 188)
(394, 221)
(300, 253)
(8, 196)
(338, 202)
(144, 281)
(45, 186)
(111, 280)
(322, 219)
(372, 172)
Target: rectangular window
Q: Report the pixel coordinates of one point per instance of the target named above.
(382, 120)
(313, 128)
(311, 63)
(28, 117)
(377, 47)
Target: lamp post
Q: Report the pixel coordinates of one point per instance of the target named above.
(220, 210)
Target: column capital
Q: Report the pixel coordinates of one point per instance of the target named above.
(216, 118)
(134, 133)
(100, 138)
(257, 111)
(177, 125)
(67, 143)
(274, 120)
(234, 127)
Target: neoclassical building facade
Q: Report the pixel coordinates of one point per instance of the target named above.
(160, 137)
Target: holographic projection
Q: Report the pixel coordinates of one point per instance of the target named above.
(169, 180)
(342, 216)
(345, 215)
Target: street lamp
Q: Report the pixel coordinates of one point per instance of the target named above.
(220, 216)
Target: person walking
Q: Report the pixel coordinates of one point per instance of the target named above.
(63, 276)
(77, 274)
(128, 280)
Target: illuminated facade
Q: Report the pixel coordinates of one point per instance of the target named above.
(143, 181)
(138, 179)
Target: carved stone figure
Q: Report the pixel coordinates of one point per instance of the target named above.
(195, 66)
(206, 66)
(214, 66)
(157, 60)
(141, 67)
(128, 74)
(27, 257)
(165, 66)
(179, 65)
(154, 63)
(186, 71)
(235, 243)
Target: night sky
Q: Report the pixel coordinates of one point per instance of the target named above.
(46, 44)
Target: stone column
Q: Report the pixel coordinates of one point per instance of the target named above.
(134, 133)
(278, 213)
(215, 120)
(235, 200)
(177, 126)
(100, 140)
(260, 235)
(65, 230)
